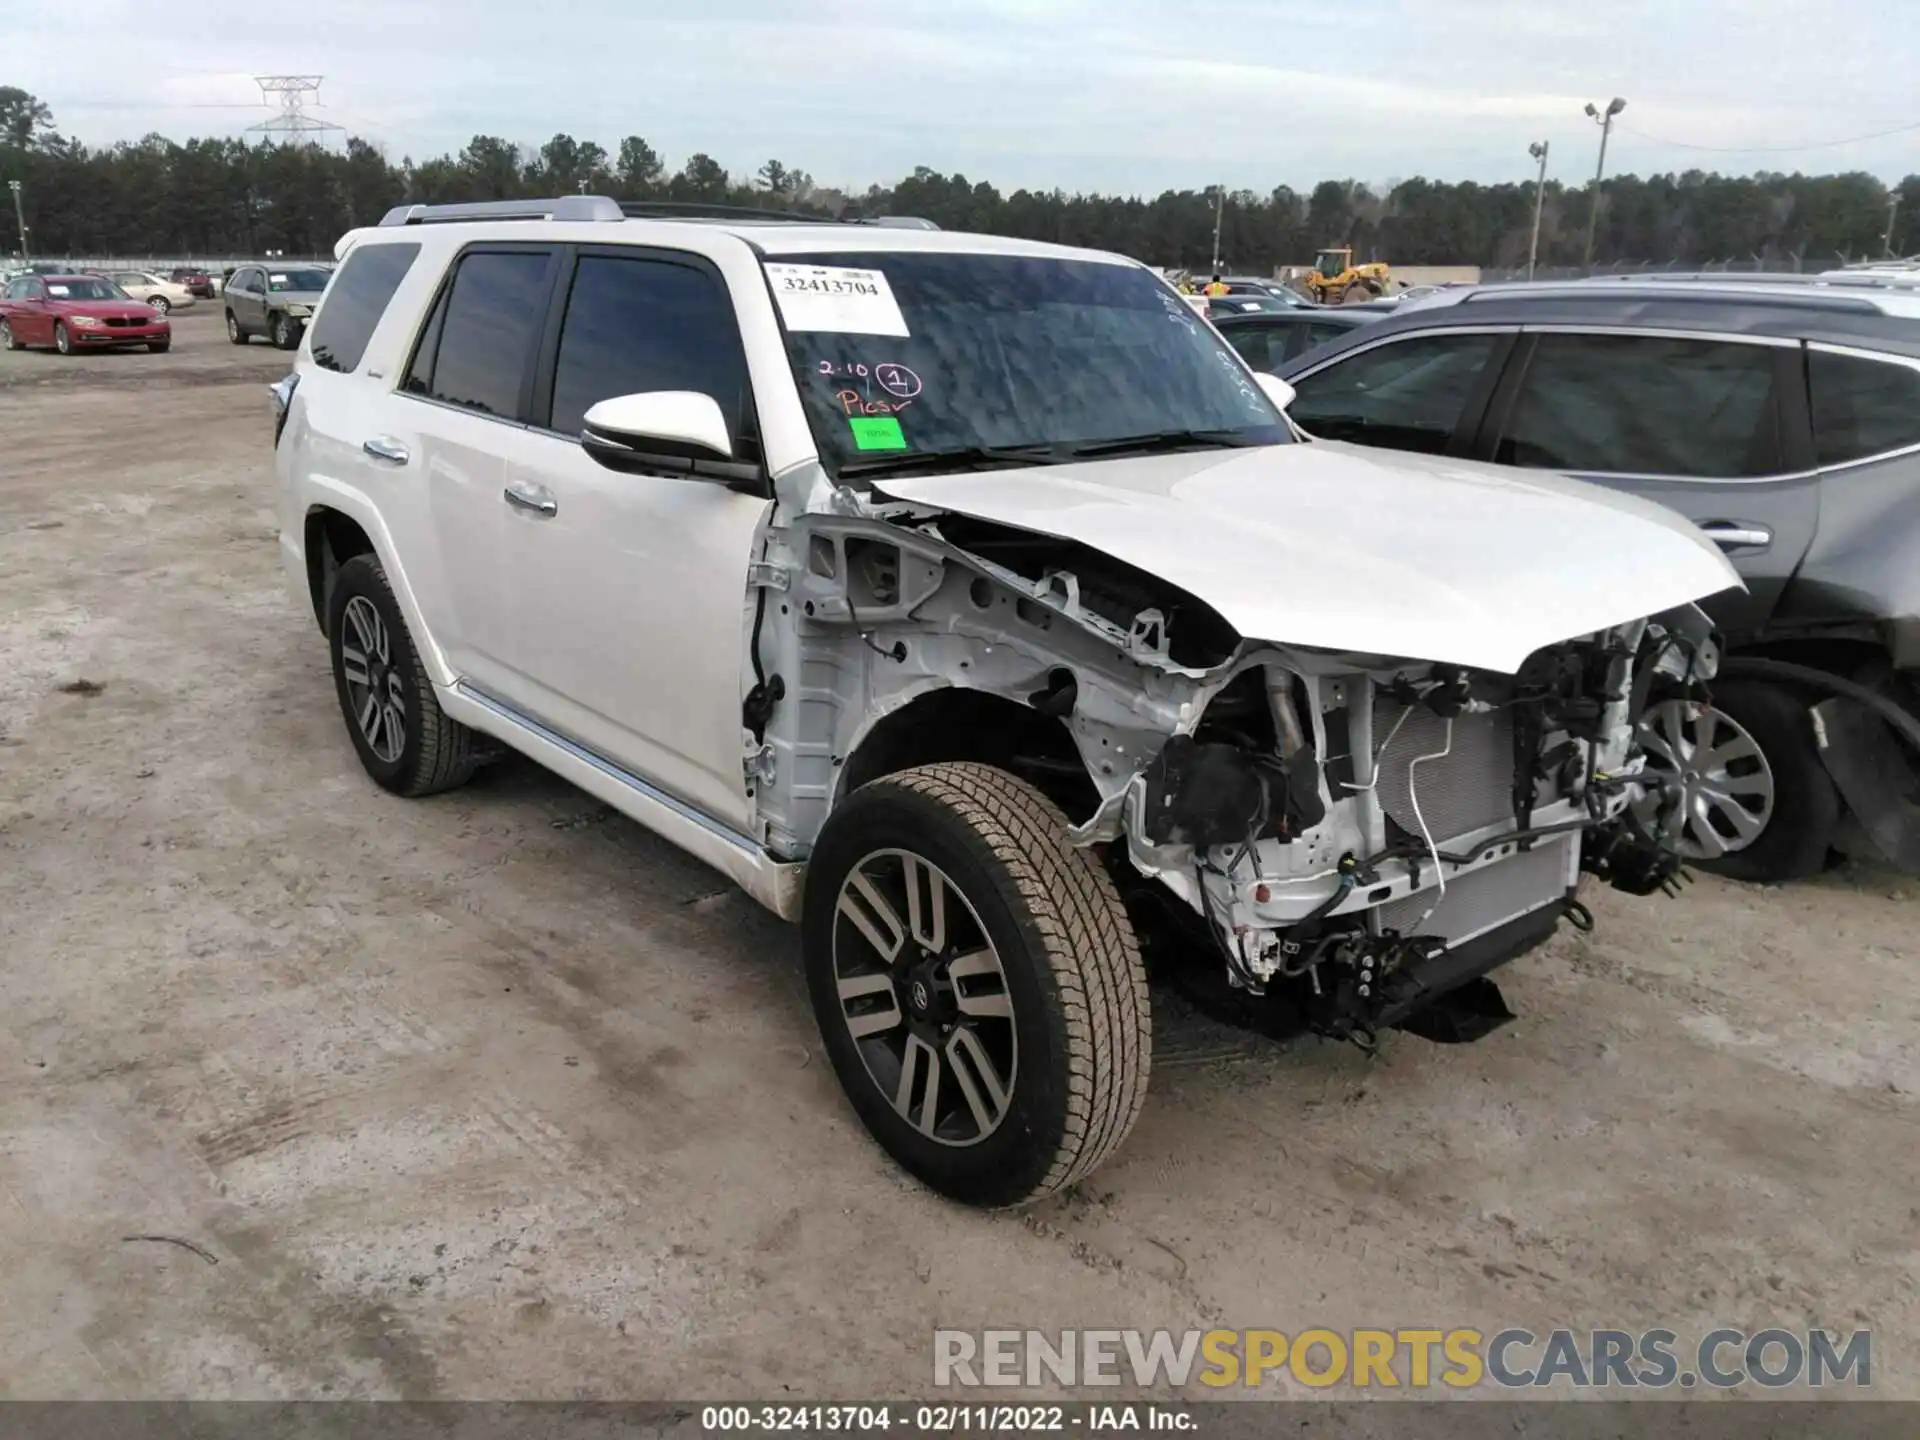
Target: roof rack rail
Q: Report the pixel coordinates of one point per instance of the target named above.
(1836, 279)
(562, 207)
(899, 222)
(701, 210)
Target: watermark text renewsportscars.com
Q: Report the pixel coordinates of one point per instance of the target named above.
(1721, 1359)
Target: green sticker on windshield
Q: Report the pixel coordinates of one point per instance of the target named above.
(877, 432)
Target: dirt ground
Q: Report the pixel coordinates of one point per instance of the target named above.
(497, 1095)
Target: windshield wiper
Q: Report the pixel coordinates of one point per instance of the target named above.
(972, 455)
(1158, 440)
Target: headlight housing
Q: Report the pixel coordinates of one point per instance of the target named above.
(299, 312)
(88, 322)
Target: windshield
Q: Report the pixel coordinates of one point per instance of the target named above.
(297, 280)
(928, 354)
(84, 287)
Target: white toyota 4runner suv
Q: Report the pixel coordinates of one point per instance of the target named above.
(970, 602)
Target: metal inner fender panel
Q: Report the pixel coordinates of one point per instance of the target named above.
(1492, 895)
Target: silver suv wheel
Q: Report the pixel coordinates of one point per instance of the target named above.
(373, 682)
(925, 997)
(1726, 787)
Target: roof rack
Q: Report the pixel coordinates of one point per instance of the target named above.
(1839, 279)
(700, 210)
(1801, 297)
(563, 207)
(602, 207)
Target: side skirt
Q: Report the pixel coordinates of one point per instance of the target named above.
(776, 884)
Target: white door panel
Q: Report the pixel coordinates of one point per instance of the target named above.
(629, 616)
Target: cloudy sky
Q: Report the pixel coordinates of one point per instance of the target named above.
(1113, 95)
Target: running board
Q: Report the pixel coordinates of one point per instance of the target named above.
(774, 883)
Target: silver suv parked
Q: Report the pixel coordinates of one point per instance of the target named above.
(970, 602)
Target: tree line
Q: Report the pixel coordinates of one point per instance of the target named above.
(224, 197)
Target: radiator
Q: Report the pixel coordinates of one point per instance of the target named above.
(1499, 891)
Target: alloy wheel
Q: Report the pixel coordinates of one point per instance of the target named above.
(373, 680)
(159, 302)
(925, 997)
(1724, 785)
(6, 336)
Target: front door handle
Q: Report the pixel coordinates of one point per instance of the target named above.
(381, 448)
(535, 499)
(1738, 534)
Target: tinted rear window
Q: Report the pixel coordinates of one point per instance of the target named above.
(478, 351)
(1862, 407)
(1645, 405)
(356, 302)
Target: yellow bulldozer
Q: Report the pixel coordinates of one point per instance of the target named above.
(1336, 280)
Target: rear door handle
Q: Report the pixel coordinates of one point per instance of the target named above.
(535, 499)
(1738, 534)
(381, 448)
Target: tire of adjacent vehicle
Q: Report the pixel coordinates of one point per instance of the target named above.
(8, 340)
(1073, 969)
(281, 332)
(439, 753)
(160, 303)
(235, 334)
(1806, 806)
(62, 341)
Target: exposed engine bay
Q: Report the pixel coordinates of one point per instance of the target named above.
(1318, 840)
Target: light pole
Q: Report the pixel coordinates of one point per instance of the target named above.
(20, 215)
(1219, 209)
(1605, 122)
(1893, 212)
(1539, 152)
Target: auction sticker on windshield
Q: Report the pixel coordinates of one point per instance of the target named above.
(836, 298)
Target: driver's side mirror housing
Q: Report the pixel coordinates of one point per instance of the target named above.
(680, 433)
(1277, 390)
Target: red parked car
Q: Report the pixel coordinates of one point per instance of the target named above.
(77, 312)
(199, 284)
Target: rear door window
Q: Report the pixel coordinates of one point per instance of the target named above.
(1862, 407)
(477, 351)
(1410, 394)
(356, 302)
(1645, 405)
(634, 325)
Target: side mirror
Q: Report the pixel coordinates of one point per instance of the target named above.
(1278, 390)
(675, 432)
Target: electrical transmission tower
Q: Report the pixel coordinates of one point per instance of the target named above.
(293, 93)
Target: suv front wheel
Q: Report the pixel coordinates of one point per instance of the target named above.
(404, 739)
(977, 983)
(1754, 801)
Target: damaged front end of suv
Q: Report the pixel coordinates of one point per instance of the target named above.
(1305, 837)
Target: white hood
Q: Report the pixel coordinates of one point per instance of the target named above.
(1344, 548)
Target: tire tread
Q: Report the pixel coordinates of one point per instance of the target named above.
(1087, 944)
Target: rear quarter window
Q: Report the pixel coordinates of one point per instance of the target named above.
(355, 302)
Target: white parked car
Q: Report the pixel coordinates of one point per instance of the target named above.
(970, 602)
(161, 293)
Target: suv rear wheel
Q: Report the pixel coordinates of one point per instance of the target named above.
(977, 983)
(404, 739)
